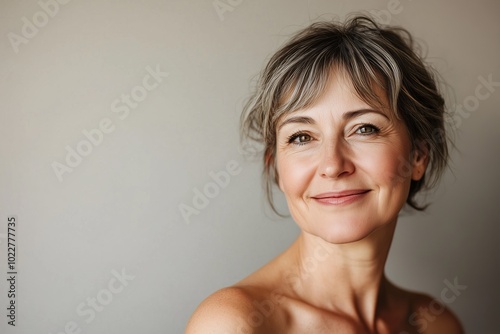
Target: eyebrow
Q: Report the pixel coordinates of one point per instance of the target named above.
(297, 119)
(346, 116)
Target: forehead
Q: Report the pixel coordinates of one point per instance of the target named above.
(339, 96)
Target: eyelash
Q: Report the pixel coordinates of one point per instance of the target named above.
(291, 139)
(375, 129)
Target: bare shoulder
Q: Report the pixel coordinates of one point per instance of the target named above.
(225, 311)
(255, 305)
(431, 316)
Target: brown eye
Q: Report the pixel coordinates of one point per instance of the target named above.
(303, 138)
(299, 138)
(367, 129)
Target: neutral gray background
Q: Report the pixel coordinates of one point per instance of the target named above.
(119, 208)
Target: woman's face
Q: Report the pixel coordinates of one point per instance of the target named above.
(344, 167)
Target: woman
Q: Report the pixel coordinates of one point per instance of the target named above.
(353, 128)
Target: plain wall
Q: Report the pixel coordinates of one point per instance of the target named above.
(119, 208)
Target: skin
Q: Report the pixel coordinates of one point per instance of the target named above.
(331, 279)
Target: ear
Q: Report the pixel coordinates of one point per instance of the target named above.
(272, 168)
(277, 177)
(420, 161)
(280, 184)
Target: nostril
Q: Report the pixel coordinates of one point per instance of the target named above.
(329, 171)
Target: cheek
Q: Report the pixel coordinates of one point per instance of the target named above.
(390, 171)
(388, 164)
(295, 174)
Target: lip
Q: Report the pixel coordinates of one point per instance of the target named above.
(340, 197)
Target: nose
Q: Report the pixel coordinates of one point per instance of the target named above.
(335, 160)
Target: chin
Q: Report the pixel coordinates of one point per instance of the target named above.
(346, 235)
(343, 230)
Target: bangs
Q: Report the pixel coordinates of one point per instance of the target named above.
(304, 87)
(303, 81)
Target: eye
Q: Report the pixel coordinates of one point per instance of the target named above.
(299, 138)
(367, 129)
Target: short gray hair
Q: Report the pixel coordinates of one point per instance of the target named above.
(297, 74)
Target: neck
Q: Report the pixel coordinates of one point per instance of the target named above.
(344, 278)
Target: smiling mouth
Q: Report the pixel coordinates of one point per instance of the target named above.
(340, 197)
